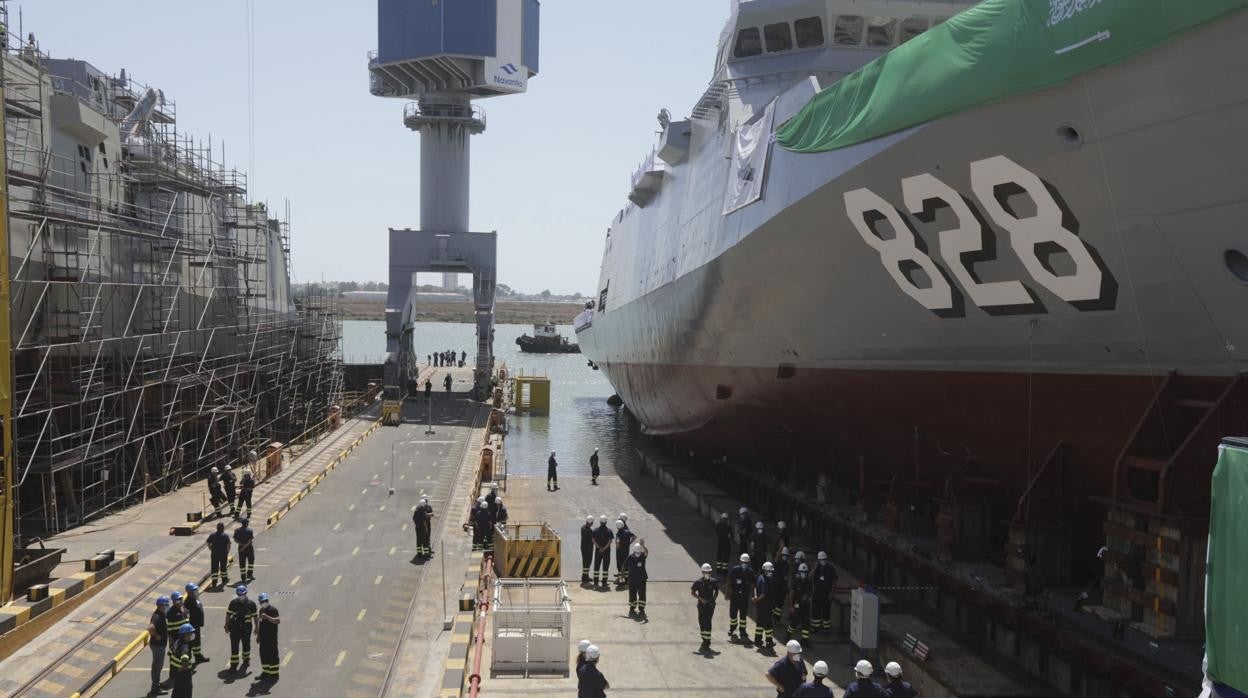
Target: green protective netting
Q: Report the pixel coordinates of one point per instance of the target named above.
(1226, 603)
(990, 51)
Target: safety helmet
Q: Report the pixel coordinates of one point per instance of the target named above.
(240, 590)
(595, 449)
(768, 567)
(483, 505)
(582, 646)
(176, 597)
(602, 519)
(745, 558)
(803, 568)
(263, 597)
(493, 486)
(759, 525)
(589, 519)
(822, 555)
(552, 453)
(498, 501)
(800, 555)
(481, 498)
(793, 647)
(244, 521)
(864, 669)
(619, 524)
(741, 510)
(213, 469)
(636, 548)
(592, 653)
(424, 501)
(784, 551)
(191, 587)
(623, 517)
(780, 525)
(821, 668)
(227, 468)
(893, 669)
(706, 568)
(162, 601)
(723, 514)
(186, 629)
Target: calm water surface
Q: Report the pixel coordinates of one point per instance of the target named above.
(580, 418)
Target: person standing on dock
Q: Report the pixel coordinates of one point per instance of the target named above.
(587, 547)
(782, 573)
(623, 544)
(158, 640)
(799, 613)
(481, 527)
(246, 539)
(240, 622)
(175, 617)
(552, 473)
(422, 521)
(219, 547)
(723, 543)
(228, 480)
(636, 578)
(215, 496)
(463, 358)
(788, 673)
(501, 517)
(897, 688)
(745, 528)
(594, 472)
(245, 490)
(740, 583)
(428, 389)
(782, 536)
(758, 547)
(195, 615)
(862, 686)
(447, 382)
(181, 663)
(824, 577)
(602, 552)
(816, 688)
(590, 683)
(580, 654)
(764, 599)
(705, 590)
(266, 636)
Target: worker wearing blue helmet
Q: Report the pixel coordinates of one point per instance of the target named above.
(181, 661)
(240, 621)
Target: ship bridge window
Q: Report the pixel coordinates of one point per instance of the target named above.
(848, 30)
(778, 37)
(809, 32)
(749, 43)
(881, 31)
(912, 27)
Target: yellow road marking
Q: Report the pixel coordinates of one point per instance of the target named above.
(356, 551)
(315, 614)
(341, 656)
(295, 580)
(337, 525)
(370, 526)
(337, 579)
(317, 552)
(364, 491)
(383, 508)
(404, 527)
(362, 612)
(377, 580)
(392, 551)
(351, 508)
(286, 659)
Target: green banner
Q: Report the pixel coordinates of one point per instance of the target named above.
(993, 50)
(1226, 611)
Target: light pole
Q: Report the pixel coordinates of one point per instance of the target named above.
(392, 468)
(429, 430)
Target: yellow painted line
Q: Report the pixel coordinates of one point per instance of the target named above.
(356, 550)
(392, 551)
(286, 659)
(404, 527)
(367, 680)
(364, 491)
(315, 614)
(295, 580)
(377, 580)
(337, 579)
(361, 615)
(383, 508)
(341, 656)
(351, 508)
(337, 525)
(370, 526)
(318, 552)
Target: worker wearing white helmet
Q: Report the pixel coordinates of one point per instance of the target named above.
(227, 481)
(587, 547)
(422, 519)
(482, 527)
(781, 579)
(580, 653)
(552, 473)
(623, 544)
(636, 576)
(723, 543)
(799, 610)
(816, 688)
(740, 584)
(896, 688)
(782, 535)
(764, 598)
(215, 496)
(501, 515)
(602, 552)
(705, 589)
(788, 673)
(589, 680)
(594, 471)
(759, 546)
(862, 686)
(824, 580)
(745, 529)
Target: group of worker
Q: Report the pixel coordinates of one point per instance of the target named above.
(788, 676)
(446, 359)
(224, 489)
(630, 560)
(590, 683)
(176, 629)
(489, 512)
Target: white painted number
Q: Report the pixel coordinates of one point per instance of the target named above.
(1026, 234)
(1044, 227)
(938, 295)
(967, 237)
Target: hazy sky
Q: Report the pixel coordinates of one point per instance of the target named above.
(549, 173)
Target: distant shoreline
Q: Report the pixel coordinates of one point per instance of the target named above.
(505, 312)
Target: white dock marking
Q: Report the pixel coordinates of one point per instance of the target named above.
(295, 580)
(286, 659)
(337, 525)
(356, 551)
(377, 581)
(351, 508)
(404, 528)
(392, 551)
(341, 656)
(383, 508)
(317, 552)
(315, 614)
(361, 615)
(370, 526)
(337, 579)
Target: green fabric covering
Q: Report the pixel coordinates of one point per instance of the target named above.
(993, 50)
(1226, 611)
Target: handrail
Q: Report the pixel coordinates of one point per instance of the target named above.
(443, 110)
(483, 607)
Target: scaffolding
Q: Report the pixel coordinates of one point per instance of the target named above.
(154, 331)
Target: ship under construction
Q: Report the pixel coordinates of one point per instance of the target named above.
(148, 325)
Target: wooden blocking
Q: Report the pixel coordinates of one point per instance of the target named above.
(37, 592)
(95, 563)
(109, 553)
(193, 516)
(468, 599)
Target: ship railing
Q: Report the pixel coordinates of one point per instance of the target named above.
(647, 165)
(444, 111)
(583, 320)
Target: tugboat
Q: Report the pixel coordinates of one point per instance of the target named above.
(546, 340)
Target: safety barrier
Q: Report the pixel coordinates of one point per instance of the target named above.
(97, 569)
(455, 670)
(532, 626)
(527, 550)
